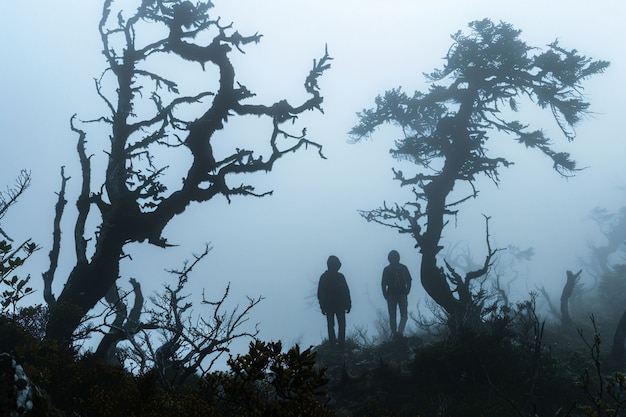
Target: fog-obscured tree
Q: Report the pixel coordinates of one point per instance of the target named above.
(611, 303)
(612, 225)
(568, 290)
(151, 115)
(611, 292)
(445, 131)
(605, 264)
(618, 352)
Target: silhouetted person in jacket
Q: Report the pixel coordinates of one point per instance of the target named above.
(334, 297)
(396, 284)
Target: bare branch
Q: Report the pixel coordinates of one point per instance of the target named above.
(11, 194)
(84, 200)
(48, 276)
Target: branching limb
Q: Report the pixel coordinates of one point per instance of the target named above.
(283, 111)
(392, 216)
(191, 343)
(462, 285)
(48, 276)
(551, 307)
(488, 259)
(84, 199)
(244, 161)
(125, 325)
(11, 194)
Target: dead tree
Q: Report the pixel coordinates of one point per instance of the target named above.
(617, 350)
(149, 117)
(568, 289)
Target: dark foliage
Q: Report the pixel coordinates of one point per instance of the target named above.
(509, 368)
(504, 369)
(13, 288)
(266, 381)
(473, 98)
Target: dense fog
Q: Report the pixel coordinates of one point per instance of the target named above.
(277, 246)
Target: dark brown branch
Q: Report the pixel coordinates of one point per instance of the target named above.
(282, 110)
(98, 83)
(462, 286)
(162, 116)
(83, 202)
(48, 276)
(488, 259)
(125, 325)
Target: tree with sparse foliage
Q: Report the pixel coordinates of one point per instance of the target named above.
(151, 116)
(473, 98)
(13, 255)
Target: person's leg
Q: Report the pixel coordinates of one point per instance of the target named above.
(403, 304)
(330, 321)
(391, 306)
(341, 323)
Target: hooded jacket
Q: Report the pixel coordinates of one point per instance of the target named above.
(333, 292)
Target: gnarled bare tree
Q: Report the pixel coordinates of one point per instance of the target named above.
(148, 115)
(446, 130)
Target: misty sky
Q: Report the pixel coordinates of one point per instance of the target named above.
(277, 246)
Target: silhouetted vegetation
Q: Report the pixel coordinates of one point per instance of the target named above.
(515, 366)
(13, 287)
(153, 114)
(446, 130)
(159, 359)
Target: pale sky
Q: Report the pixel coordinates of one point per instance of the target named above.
(277, 246)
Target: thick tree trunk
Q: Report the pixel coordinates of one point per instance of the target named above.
(87, 284)
(125, 325)
(568, 289)
(617, 351)
(433, 277)
(436, 286)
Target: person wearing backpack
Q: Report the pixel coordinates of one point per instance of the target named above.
(396, 284)
(334, 297)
